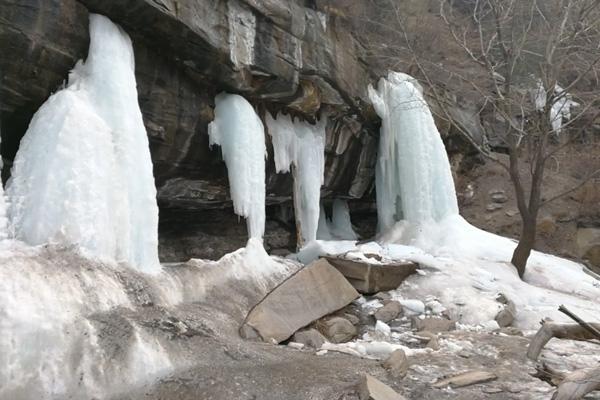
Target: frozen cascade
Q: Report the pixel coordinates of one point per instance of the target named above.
(83, 172)
(301, 145)
(241, 135)
(560, 110)
(413, 177)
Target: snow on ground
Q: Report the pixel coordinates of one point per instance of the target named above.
(465, 269)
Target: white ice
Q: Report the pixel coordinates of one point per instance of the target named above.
(339, 226)
(560, 112)
(301, 145)
(83, 173)
(413, 177)
(241, 135)
(3, 219)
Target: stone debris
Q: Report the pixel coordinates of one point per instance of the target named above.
(388, 312)
(295, 345)
(371, 388)
(397, 364)
(315, 291)
(498, 196)
(433, 324)
(309, 337)
(466, 379)
(337, 329)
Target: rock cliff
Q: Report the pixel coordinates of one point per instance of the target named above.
(289, 55)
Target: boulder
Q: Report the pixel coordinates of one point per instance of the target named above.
(315, 291)
(498, 196)
(309, 337)
(370, 388)
(433, 325)
(388, 312)
(397, 364)
(507, 315)
(370, 278)
(337, 329)
(588, 244)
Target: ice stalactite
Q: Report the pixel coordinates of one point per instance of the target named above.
(339, 227)
(241, 135)
(83, 172)
(413, 177)
(3, 219)
(301, 145)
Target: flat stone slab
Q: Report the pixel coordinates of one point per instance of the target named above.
(466, 379)
(370, 278)
(313, 292)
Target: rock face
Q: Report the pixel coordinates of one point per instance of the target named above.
(315, 291)
(281, 55)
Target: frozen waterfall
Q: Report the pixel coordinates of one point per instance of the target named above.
(83, 172)
(301, 145)
(3, 220)
(413, 177)
(241, 135)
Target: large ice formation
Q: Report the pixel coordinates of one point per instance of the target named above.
(241, 135)
(301, 145)
(413, 176)
(560, 112)
(83, 173)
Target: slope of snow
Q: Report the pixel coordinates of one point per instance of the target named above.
(241, 135)
(83, 173)
(302, 145)
(413, 177)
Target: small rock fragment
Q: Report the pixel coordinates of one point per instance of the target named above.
(389, 311)
(397, 364)
(309, 337)
(352, 318)
(507, 315)
(433, 324)
(337, 329)
(370, 388)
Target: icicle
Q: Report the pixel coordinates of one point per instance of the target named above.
(323, 232)
(302, 145)
(413, 176)
(83, 172)
(241, 135)
(341, 225)
(3, 219)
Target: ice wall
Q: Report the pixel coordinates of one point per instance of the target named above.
(83, 172)
(3, 220)
(301, 145)
(413, 177)
(241, 135)
(560, 110)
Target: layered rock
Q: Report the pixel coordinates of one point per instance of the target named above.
(281, 55)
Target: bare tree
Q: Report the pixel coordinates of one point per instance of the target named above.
(533, 63)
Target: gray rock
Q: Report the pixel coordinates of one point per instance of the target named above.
(370, 388)
(498, 196)
(309, 337)
(337, 329)
(433, 325)
(389, 311)
(313, 292)
(352, 318)
(506, 316)
(397, 364)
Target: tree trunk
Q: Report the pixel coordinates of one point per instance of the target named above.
(526, 243)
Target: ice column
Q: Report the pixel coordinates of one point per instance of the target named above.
(302, 145)
(413, 176)
(241, 135)
(83, 172)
